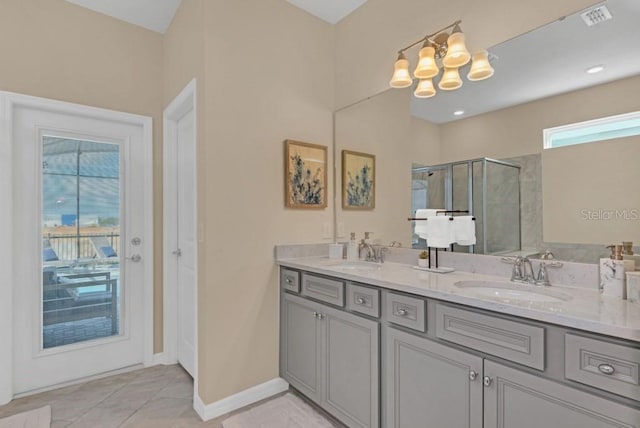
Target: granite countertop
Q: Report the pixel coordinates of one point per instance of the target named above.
(579, 308)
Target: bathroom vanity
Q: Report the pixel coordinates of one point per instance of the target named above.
(391, 346)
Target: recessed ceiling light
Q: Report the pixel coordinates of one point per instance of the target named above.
(595, 69)
(458, 112)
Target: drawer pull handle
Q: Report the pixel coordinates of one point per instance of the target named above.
(473, 375)
(360, 301)
(402, 312)
(606, 369)
(487, 381)
(288, 281)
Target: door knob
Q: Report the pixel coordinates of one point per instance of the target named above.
(177, 252)
(136, 258)
(473, 375)
(487, 381)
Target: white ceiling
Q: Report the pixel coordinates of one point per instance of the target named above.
(545, 62)
(331, 11)
(155, 15)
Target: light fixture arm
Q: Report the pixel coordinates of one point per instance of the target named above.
(429, 36)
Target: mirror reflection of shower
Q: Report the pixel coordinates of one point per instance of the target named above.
(489, 189)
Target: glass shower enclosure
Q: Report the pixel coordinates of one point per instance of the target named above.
(489, 189)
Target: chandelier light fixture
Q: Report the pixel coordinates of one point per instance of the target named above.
(440, 50)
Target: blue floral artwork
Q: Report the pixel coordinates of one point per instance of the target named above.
(358, 178)
(306, 175)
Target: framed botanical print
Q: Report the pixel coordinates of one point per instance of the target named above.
(358, 181)
(305, 175)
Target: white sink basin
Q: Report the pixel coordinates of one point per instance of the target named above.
(505, 291)
(355, 265)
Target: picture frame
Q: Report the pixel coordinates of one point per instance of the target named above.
(358, 180)
(305, 176)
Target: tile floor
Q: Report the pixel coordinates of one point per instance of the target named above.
(157, 397)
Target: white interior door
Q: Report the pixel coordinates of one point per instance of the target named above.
(186, 260)
(81, 242)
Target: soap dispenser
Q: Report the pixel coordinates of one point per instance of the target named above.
(352, 248)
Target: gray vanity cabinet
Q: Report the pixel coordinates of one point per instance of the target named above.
(515, 399)
(431, 385)
(333, 358)
(301, 341)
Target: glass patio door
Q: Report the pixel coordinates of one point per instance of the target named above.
(81, 214)
(81, 219)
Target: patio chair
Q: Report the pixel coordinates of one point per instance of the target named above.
(104, 250)
(50, 257)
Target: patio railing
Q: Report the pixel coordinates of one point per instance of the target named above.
(66, 246)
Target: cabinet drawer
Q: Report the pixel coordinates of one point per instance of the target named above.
(324, 289)
(511, 340)
(363, 299)
(406, 311)
(614, 368)
(290, 280)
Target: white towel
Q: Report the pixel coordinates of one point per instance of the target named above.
(439, 232)
(421, 225)
(464, 230)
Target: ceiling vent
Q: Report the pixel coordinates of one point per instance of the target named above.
(596, 15)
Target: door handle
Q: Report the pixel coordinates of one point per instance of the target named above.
(177, 252)
(136, 258)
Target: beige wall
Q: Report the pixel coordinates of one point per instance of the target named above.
(53, 49)
(590, 192)
(269, 77)
(368, 39)
(384, 127)
(517, 130)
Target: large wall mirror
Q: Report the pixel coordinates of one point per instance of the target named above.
(571, 200)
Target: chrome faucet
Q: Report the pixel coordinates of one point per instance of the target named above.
(523, 269)
(371, 252)
(527, 271)
(375, 253)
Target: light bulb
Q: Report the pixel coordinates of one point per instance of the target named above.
(427, 67)
(425, 89)
(450, 80)
(480, 67)
(457, 53)
(401, 77)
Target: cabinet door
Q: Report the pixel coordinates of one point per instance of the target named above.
(351, 367)
(516, 399)
(431, 385)
(300, 341)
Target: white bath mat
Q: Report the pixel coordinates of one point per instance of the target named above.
(287, 411)
(38, 418)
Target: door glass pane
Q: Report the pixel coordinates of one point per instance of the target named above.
(81, 286)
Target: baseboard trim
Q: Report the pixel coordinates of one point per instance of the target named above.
(159, 358)
(239, 400)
